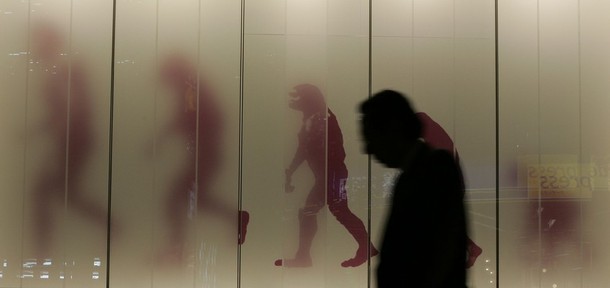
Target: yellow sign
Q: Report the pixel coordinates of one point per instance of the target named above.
(555, 180)
(563, 175)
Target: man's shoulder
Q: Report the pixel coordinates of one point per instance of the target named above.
(438, 162)
(440, 156)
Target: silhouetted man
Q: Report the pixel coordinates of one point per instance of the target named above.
(424, 242)
(435, 136)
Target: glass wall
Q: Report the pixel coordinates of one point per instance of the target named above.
(176, 144)
(55, 119)
(442, 54)
(553, 168)
(157, 143)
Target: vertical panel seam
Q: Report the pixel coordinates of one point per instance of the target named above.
(369, 184)
(539, 210)
(241, 133)
(497, 136)
(195, 190)
(67, 137)
(25, 128)
(110, 142)
(580, 146)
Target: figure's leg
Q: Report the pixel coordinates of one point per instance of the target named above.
(86, 207)
(473, 252)
(337, 204)
(244, 219)
(49, 188)
(308, 227)
(177, 210)
(95, 213)
(207, 201)
(77, 201)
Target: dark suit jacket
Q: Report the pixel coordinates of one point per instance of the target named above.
(424, 245)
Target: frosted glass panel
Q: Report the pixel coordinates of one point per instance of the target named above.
(263, 193)
(473, 19)
(176, 143)
(446, 66)
(135, 197)
(194, 129)
(434, 18)
(393, 18)
(14, 58)
(49, 92)
(349, 18)
(392, 66)
(553, 173)
(348, 228)
(304, 174)
(270, 17)
(55, 90)
(306, 17)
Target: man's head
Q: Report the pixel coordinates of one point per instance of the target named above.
(389, 127)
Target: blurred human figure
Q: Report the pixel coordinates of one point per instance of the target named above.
(69, 122)
(437, 137)
(425, 234)
(321, 147)
(198, 120)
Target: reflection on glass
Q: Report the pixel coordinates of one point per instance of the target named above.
(198, 121)
(321, 146)
(68, 123)
(557, 189)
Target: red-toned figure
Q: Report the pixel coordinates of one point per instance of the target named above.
(321, 147)
(437, 137)
(199, 121)
(69, 122)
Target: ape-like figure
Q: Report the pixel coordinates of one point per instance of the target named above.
(197, 118)
(69, 122)
(438, 138)
(321, 146)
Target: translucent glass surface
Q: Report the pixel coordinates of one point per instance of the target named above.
(303, 78)
(55, 91)
(440, 54)
(216, 143)
(176, 144)
(553, 172)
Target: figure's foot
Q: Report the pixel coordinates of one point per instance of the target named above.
(241, 234)
(473, 252)
(360, 258)
(294, 263)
